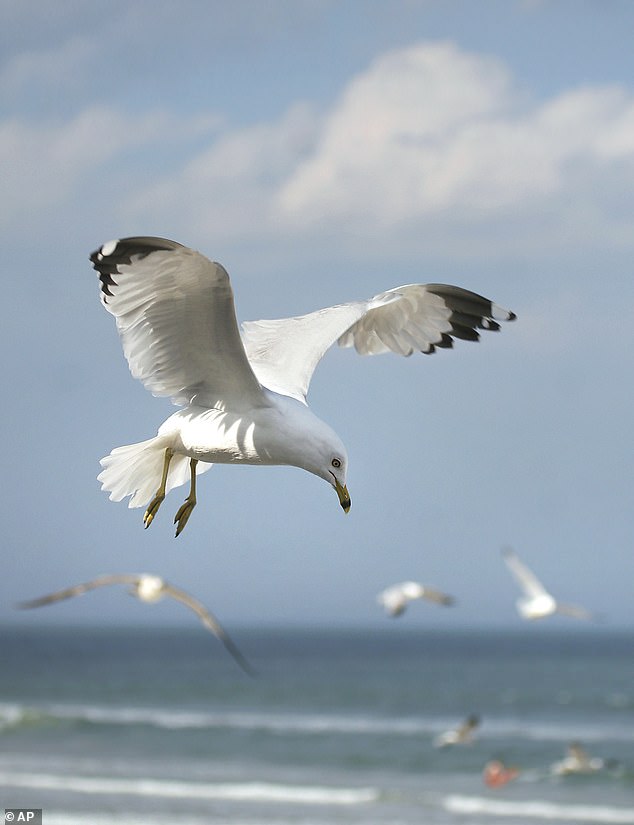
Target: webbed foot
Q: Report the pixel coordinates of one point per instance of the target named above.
(152, 509)
(182, 516)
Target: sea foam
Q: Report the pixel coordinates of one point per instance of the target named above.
(13, 715)
(242, 791)
(537, 810)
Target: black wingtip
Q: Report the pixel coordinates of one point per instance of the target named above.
(116, 253)
(29, 605)
(250, 671)
(121, 250)
(238, 658)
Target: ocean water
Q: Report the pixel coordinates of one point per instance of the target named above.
(152, 726)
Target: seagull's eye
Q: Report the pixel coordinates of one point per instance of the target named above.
(336, 463)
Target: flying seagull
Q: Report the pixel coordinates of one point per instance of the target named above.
(148, 589)
(243, 393)
(537, 602)
(462, 735)
(577, 760)
(396, 598)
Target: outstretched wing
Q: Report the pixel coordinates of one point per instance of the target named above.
(284, 353)
(574, 611)
(176, 318)
(416, 590)
(437, 596)
(78, 589)
(526, 579)
(210, 622)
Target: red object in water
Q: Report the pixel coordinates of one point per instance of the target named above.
(496, 774)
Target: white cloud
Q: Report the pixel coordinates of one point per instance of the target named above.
(429, 141)
(429, 148)
(50, 68)
(42, 163)
(382, 148)
(431, 130)
(229, 187)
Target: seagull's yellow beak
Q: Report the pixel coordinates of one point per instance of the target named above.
(344, 497)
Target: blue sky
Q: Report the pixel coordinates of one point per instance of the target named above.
(324, 152)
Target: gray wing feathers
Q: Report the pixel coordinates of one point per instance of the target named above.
(524, 577)
(421, 317)
(175, 314)
(437, 596)
(78, 590)
(415, 317)
(574, 611)
(210, 622)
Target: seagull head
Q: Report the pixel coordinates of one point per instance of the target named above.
(328, 460)
(148, 588)
(337, 463)
(393, 601)
(303, 440)
(536, 607)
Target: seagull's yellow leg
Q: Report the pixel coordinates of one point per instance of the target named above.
(185, 511)
(152, 508)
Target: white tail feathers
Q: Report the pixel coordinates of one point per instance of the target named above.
(135, 470)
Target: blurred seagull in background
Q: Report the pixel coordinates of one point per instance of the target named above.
(396, 598)
(464, 734)
(537, 602)
(577, 760)
(148, 589)
(243, 393)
